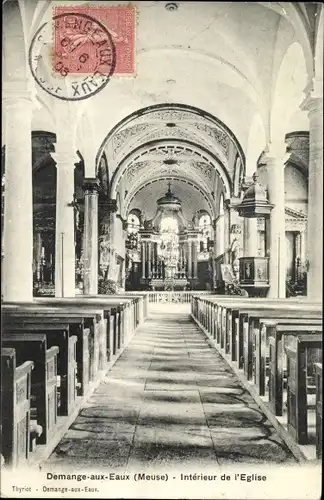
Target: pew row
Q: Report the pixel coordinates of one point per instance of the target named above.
(15, 408)
(98, 327)
(33, 347)
(256, 337)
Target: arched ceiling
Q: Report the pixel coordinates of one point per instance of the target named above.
(225, 62)
(173, 140)
(171, 121)
(221, 62)
(191, 196)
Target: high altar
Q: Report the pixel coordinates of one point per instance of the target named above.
(164, 253)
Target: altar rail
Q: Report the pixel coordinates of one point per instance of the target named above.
(275, 348)
(170, 297)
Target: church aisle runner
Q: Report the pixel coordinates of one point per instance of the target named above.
(169, 401)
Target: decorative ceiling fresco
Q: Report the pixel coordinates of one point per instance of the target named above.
(192, 197)
(173, 140)
(159, 162)
(177, 122)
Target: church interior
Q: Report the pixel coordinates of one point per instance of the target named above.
(162, 243)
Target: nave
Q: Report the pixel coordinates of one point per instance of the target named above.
(170, 401)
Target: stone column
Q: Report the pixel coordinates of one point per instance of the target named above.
(314, 105)
(226, 225)
(250, 237)
(189, 259)
(65, 230)
(149, 259)
(90, 237)
(195, 259)
(272, 166)
(18, 203)
(143, 259)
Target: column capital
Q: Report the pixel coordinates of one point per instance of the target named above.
(64, 154)
(274, 153)
(90, 185)
(313, 100)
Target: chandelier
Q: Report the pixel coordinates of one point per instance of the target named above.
(169, 202)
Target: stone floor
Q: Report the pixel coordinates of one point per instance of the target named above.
(170, 399)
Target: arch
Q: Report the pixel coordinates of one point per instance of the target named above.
(119, 203)
(183, 181)
(256, 144)
(293, 15)
(219, 167)
(14, 42)
(288, 93)
(178, 106)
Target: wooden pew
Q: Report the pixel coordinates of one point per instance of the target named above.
(15, 408)
(319, 408)
(117, 313)
(273, 332)
(93, 318)
(220, 317)
(43, 378)
(297, 404)
(234, 317)
(243, 327)
(125, 310)
(57, 335)
(75, 327)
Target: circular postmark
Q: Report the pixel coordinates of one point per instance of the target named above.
(73, 57)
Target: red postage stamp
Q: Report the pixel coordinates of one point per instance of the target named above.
(77, 37)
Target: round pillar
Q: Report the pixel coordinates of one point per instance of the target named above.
(18, 200)
(65, 228)
(314, 105)
(273, 165)
(90, 237)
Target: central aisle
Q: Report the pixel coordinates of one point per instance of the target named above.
(170, 400)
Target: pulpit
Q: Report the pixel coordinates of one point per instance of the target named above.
(254, 275)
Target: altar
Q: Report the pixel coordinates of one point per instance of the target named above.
(169, 284)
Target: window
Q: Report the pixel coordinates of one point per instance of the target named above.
(133, 224)
(205, 231)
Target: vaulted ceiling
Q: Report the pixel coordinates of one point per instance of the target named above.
(206, 72)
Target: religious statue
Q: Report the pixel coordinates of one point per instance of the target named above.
(235, 249)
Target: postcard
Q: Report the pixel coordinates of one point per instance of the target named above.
(162, 260)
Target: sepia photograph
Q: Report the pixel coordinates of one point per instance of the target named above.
(161, 250)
